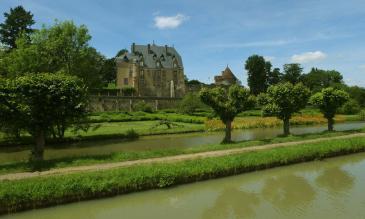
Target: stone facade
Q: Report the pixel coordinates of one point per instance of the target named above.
(154, 71)
(226, 78)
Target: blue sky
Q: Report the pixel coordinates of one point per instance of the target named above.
(211, 34)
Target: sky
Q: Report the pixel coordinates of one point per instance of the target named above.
(209, 35)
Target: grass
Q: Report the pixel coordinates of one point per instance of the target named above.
(143, 116)
(47, 191)
(131, 155)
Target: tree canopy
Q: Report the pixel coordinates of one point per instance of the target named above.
(42, 103)
(283, 100)
(227, 103)
(329, 100)
(62, 47)
(17, 22)
(257, 68)
(317, 79)
(292, 73)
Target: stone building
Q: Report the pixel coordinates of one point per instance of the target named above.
(153, 70)
(226, 78)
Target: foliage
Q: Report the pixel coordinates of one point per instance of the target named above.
(62, 47)
(227, 103)
(256, 70)
(41, 104)
(350, 107)
(292, 73)
(329, 100)
(121, 52)
(143, 107)
(128, 91)
(274, 77)
(190, 103)
(45, 191)
(283, 100)
(317, 79)
(17, 22)
(357, 93)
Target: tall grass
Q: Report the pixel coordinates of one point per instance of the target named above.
(46, 191)
(267, 122)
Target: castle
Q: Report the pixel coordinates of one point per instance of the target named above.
(152, 70)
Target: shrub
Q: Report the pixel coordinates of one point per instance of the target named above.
(128, 91)
(143, 107)
(190, 103)
(350, 107)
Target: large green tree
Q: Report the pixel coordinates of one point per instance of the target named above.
(17, 22)
(274, 77)
(329, 100)
(256, 67)
(317, 79)
(42, 103)
(357, 93)
(62, 47)
(292, 73)
(283, 100)
(227, 103)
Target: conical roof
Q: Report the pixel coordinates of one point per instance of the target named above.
(227, 74)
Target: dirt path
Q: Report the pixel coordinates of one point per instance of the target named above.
(219, 153)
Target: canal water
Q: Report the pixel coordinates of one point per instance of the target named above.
(332, 188)
(164, 141)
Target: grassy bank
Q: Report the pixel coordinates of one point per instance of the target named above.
(48, 191)
(136, 155)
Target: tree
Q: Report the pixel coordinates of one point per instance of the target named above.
(190, 103)
(227, 103)
(256, 70)
(357, 93)
(121, 52)
(329, 100)
(62, 47)
(274, 77)
(292, 73)
(41, 103)
(18, 21)
(317, 79)
(283, 100)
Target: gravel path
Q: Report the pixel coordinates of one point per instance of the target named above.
(218, 153)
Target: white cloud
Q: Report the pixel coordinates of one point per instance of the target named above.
(269, 58)
(165, 22)
(308, 57)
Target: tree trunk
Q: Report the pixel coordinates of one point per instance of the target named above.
(227, 138)
(286, 126)
(330, 124)
(38, 150)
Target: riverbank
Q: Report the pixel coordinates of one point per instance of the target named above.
(47, 191)
(82, 160)
(121, 126)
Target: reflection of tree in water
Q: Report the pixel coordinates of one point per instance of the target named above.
(335, 180)
(288, 191)
(233, 202)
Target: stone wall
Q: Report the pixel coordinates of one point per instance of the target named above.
(122, 103)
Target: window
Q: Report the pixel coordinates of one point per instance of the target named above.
(158, 64)
(125, 81)
(141, 77)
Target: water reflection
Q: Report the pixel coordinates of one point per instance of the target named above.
(335, 180)
(235, 203)
(288, 191)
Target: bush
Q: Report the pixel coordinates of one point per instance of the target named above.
(128, 91)
(190, 103)
(143, 107)
(362, 115)
(350, 107)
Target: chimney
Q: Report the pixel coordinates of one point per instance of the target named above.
(132, 49)
(149, 48)
(166, 50)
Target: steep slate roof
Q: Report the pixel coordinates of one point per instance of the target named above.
(227, 74)
(165, 54)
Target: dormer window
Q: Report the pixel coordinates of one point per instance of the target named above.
(158, 64)
(141, 63)
(175, 65)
